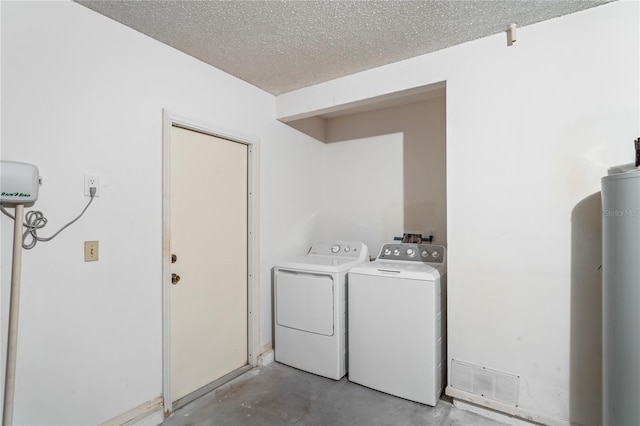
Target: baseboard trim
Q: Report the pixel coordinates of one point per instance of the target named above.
(139, 415)
(265, 348)
(266, 358)
(508, 410)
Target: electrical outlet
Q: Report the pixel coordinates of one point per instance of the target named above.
(91, 249)
(91, 181)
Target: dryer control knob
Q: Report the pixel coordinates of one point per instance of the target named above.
(347, 249)
(396, 252)
(435, 254)
(387, 252)
(335, 249)
(425, 253)
(411, 252)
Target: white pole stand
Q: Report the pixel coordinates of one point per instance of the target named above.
(12, 346)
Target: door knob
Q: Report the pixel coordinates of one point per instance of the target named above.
(175, 278)
(174, 258)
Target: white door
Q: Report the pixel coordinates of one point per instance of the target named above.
(209, 238)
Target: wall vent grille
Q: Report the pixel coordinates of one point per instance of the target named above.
(488, 383)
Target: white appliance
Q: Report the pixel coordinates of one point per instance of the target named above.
(310, 308)
(20, 183)
(621, 295)
(397, 322)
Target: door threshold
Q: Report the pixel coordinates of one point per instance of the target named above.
(210, 387)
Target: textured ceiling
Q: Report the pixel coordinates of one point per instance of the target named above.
(280, 46)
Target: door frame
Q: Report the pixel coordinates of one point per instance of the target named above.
(253, 333)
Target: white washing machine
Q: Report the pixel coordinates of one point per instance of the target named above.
(310, 307)
(397, 322)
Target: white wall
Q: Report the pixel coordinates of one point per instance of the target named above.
(423, 167)
(363, 196)
(84, 94)
(530, 131)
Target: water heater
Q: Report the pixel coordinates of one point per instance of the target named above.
(621, 295)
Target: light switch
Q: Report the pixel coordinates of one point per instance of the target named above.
(90, 251)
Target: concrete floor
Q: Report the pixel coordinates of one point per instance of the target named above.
(279, 395)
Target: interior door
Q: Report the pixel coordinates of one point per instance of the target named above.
(209, 240)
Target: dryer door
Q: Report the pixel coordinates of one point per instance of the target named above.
(304, 301)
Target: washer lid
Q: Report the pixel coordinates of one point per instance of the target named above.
(406, 270)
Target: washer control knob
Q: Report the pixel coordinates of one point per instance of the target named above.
(425, 253)
(387, 252)
(435, 254)
(347, 249)
(411, 252)
(396, 252)
(335, 249)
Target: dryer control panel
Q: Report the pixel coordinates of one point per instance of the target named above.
(426, 253)
(350, 249)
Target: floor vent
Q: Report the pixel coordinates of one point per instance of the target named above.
(490, 384)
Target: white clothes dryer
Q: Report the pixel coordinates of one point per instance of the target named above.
(397, 322)
(310, 307)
